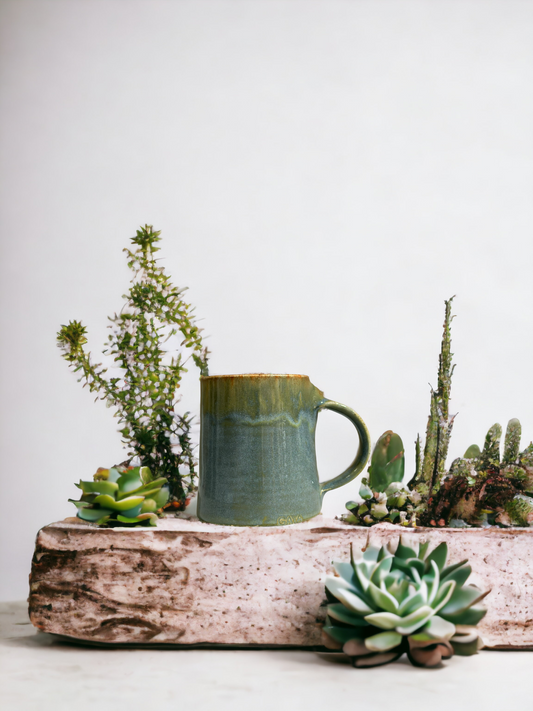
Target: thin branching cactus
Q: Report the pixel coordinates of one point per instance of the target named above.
(145, 391)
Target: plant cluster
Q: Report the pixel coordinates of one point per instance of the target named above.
(479, 488)
(482, 490)
(384, 604)
(383, 496)
(122, 496)
(144, 391)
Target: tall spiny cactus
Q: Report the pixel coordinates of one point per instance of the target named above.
(432, 467)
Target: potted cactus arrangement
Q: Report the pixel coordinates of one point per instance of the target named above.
(143, 392)
(481, 488)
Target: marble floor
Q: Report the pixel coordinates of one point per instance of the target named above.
(40, 673)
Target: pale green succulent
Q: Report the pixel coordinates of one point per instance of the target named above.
(385, 604)
(122, 496)
(396, 504)
(387, 464)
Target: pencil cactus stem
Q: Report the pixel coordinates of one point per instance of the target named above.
(418, 457)
(427, 478)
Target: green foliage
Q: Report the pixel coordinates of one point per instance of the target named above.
(394, 505)
(384, 604)
(144, 394)
(439, 427)
(478, 490)
(122, 496)
(387, 463)
(511, 450)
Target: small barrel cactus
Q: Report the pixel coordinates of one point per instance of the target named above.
(385, 604)
(122, 496)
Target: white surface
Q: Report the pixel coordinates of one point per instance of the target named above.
(38, 673)
(325, 173)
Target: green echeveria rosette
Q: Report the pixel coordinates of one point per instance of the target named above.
(385, 604)
(120, 496)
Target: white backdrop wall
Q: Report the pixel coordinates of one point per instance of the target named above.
(325, 174)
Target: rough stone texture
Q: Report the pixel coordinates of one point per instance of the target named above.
(187, 582)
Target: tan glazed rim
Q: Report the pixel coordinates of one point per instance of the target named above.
(254, 375)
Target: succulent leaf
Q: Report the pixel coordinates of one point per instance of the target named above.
(335, 585)
(450, 568)
(98, 487)
(472, 452)
(465, 645)
(383, 599)
(383, 620)
(340, 634)
(460, 574)
(339, 612)
(439, 555)
(387, 463)
(404, 552)
(411, 602)
(346, 572)
(383, 642)
(376, 660)
(472, 616)
(365, 492)
(435, 628)
(354, 603)
(463, 598)
(109, 502)
(88, 514)
(443, 596)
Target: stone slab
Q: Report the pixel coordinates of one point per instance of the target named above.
(189, 583)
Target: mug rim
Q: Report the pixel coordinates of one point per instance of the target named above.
(254, 375)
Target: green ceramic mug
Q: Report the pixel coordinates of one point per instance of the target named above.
(257, 449)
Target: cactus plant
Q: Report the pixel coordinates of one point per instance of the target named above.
(383, 497)
(144, 390)
(481, 490)
(431, 468)
(478, 489)
(122, 496)
(388, 461)
(384, 604)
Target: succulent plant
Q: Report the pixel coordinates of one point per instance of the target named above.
(382, 494)
(394, 505)
(122, 496)
(480, 490)
(387, 464)
(384, 604)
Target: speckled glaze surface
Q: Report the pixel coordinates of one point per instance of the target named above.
(257, 449)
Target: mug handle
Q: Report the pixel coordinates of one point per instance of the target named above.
(363, 452)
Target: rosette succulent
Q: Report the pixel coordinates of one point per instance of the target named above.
(384, 604)
(120, 496)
